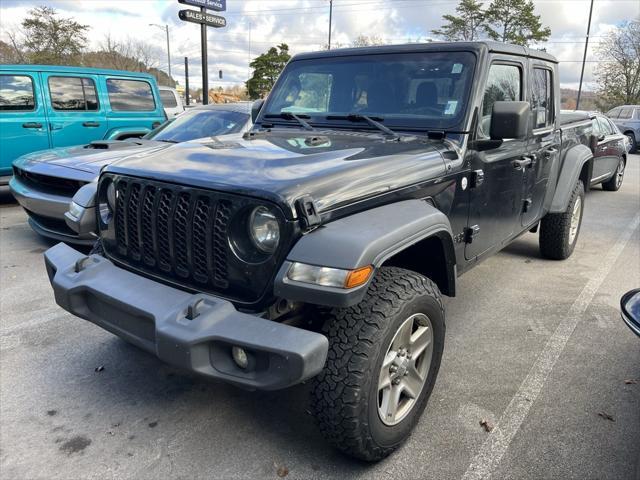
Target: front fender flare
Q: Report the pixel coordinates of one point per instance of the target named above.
(574, 160)
(366, 238)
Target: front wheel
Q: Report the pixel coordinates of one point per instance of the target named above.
(384, 356)
(559, 231)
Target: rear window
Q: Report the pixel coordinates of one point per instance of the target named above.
(16, 93)
(73, 94)
(130, 95)
(168, 99)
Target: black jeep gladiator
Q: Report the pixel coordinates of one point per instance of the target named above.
(317, 246)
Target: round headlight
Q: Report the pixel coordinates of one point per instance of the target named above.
(264, 229)
(107, 204)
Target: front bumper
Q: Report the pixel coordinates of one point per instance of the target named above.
(46, 213)
(192, 331)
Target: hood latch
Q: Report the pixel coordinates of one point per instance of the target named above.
(307, 211)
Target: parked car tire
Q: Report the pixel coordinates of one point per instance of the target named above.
(633, 142)
(372, 367)
(615, 182)
(559, 231)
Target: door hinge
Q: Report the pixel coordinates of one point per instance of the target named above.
(470, 233)
(308, 212)
(476, 178)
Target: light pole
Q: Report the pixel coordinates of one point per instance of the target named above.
(584, 58)
(330, 20)
(166, 29)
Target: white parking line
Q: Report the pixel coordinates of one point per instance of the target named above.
(498, 441)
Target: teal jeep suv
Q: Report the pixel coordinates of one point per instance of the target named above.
(44, 107)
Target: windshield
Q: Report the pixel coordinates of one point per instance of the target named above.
(427, 90)
(198, 124)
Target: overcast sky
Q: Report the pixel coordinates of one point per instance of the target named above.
(255, 25)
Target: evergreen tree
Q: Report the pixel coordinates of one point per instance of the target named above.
(467, 25)
(266, 69)
(515, 21)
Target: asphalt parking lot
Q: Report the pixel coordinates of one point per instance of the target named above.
(535, 348)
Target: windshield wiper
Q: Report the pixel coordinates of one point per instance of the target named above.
(292, 116)
(167, 141)
(373, 121)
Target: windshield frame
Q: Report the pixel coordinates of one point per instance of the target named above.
(406, 123)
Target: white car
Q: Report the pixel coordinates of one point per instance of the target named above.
(171, 101)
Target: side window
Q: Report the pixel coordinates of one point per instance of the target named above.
(625, 113)
(542, 99)
(73, 94)
(613, 113)
(604, 127)
(168, 99)
(596, 127)
(614, 127)
(16, 93)
(130, 95)
(504, 84)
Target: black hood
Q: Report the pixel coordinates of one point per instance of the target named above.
(335, 169)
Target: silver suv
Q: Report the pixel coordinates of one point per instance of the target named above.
(627, 119)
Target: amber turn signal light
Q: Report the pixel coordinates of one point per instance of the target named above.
(355, 278)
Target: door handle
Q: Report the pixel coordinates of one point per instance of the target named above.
(550, 151)
(91, 124)
(32, 125)
(522, 163)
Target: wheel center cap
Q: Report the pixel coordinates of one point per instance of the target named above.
(403, 366)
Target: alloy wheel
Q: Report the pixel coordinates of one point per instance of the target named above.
(405, 369)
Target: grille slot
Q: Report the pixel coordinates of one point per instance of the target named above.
(173, 232)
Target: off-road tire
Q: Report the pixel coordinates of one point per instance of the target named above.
(613, 185)
(344, 397)
(555, 228)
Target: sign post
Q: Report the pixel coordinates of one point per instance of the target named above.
(186, 79)
(205, 20)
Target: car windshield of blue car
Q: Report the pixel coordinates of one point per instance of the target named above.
(203, 123)
(424, 90)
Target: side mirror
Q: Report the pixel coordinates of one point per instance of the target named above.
(81, 216)
(510, 120)
(255, 109)
(630, 309)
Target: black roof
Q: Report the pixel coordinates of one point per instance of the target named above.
(476, 47)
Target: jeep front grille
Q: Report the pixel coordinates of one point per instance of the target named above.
(174, 232)
(181, 234)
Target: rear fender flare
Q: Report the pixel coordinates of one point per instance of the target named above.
(574, 160)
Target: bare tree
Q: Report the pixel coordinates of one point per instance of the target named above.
(618, 73)
(367, 40)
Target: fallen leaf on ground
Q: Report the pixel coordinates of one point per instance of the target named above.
(486, 424)
(282, 472)
(606, 416)
(630, 381)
